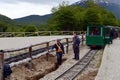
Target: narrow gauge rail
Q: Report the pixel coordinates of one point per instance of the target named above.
(72, 72)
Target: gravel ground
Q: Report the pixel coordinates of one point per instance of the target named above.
(91, 71)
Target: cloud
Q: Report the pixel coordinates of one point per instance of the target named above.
(20, 8)
(37, 1)
(24, 9)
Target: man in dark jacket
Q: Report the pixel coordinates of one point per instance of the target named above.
(76, 43)
(59, 51)
(111, 35)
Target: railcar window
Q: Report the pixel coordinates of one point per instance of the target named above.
(107, 31)
(95, 31)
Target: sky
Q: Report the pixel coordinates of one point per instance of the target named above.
(21, 8)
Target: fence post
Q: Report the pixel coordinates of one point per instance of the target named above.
(37, 33)
(50, 33)
(1, 66)
(30, 52)
(62, 33)
(30, 56)
(67, 45)
(82, 38)
(47, 45)
(73, 32)
(13, 34)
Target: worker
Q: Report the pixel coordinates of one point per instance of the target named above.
(59, 51)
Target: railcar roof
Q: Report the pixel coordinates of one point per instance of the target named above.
(106, 26)
(112, 27)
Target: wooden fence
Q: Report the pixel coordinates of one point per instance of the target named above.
(39, 33)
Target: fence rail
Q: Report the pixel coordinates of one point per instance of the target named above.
(39, 33)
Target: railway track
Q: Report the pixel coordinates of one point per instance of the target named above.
(72, 72)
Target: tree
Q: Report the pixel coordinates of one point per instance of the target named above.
(118, 22)
(3, 27)
(30, 28)
(109, 19)
(78, 18)
(67, 18)
(92, 17)
(64, 19)
(12, 29)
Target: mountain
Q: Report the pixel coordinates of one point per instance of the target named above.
(7, 24)
(115, 1)
(33, 19)
(111, 6)
(5, 19)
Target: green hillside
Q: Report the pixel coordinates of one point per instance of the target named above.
(33, 19)
(6, 20)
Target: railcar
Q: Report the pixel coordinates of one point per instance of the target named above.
(97, 36)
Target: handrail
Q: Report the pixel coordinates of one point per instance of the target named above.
(6, 51)
(38, 33)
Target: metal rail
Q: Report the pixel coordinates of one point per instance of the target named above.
(72, 72)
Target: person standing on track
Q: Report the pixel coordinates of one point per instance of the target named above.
(76, 44)
(59, 51)
(119, 34)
